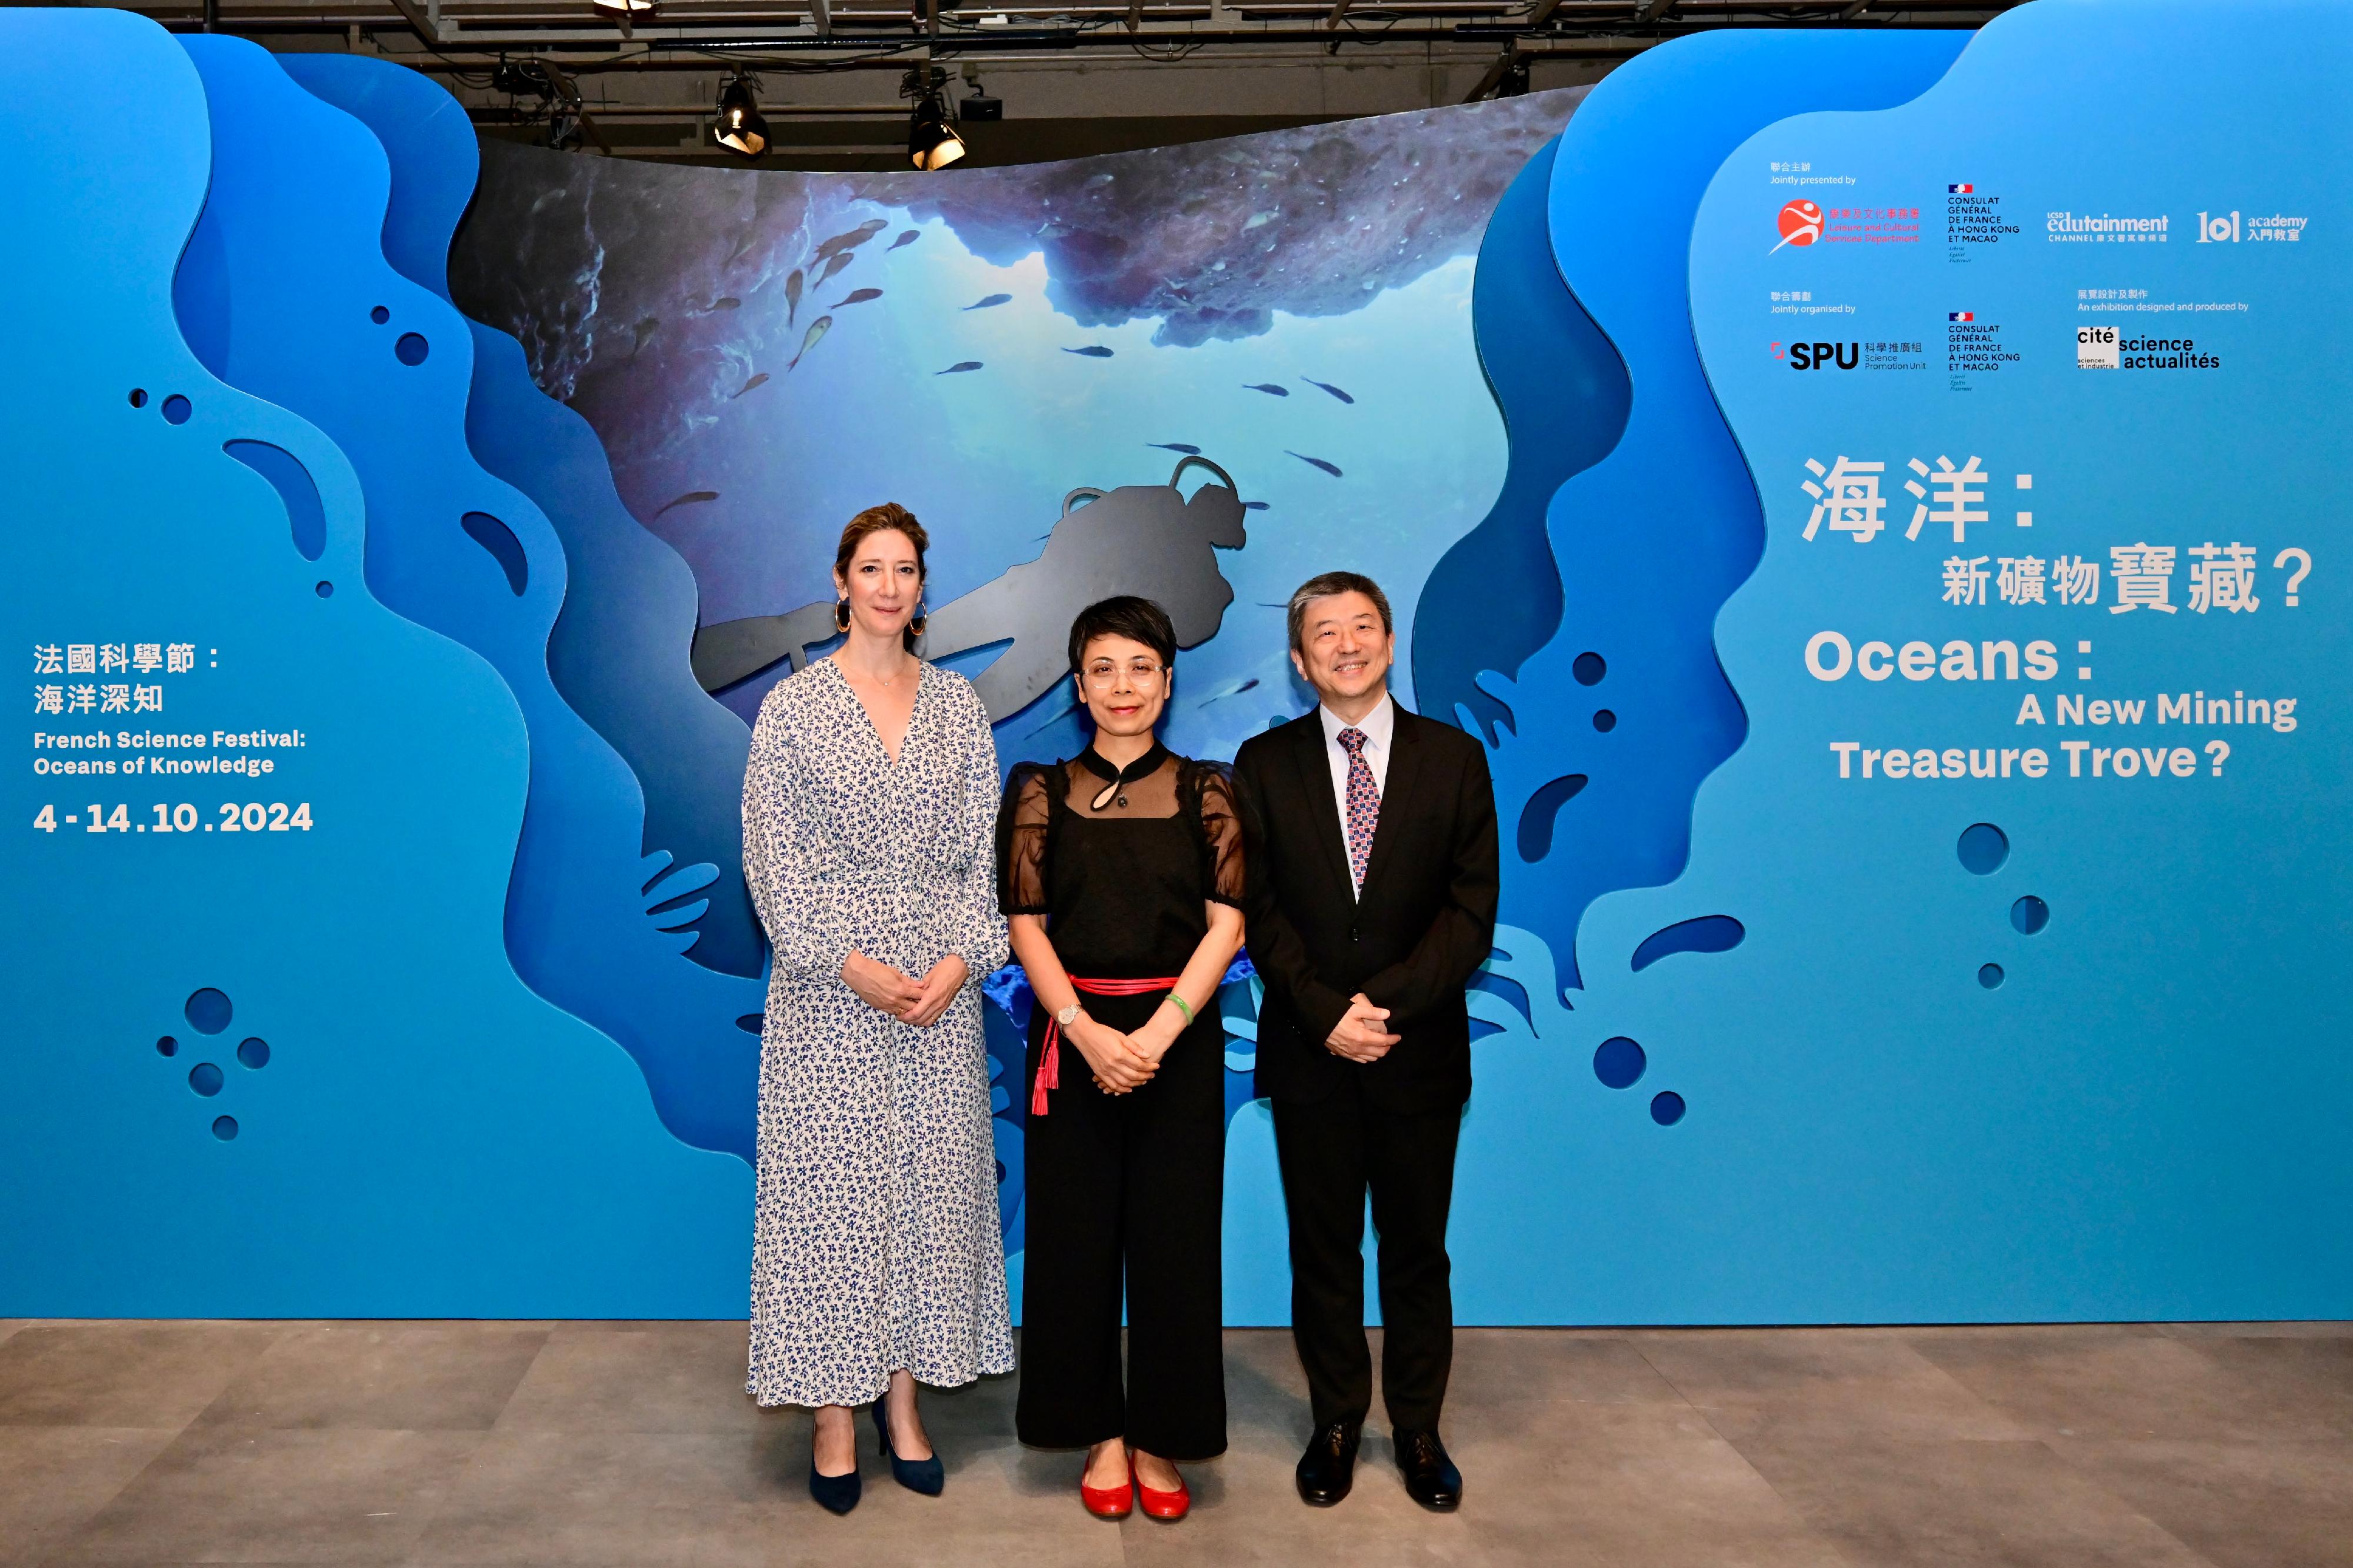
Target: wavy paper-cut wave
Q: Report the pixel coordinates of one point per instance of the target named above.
(430, 1139)
(1653, 536)
(1495, 598)
(620, 649)
(323, 324)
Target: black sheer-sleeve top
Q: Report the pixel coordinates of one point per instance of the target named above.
(1121, 862)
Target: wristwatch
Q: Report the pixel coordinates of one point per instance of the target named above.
(1068, 1016)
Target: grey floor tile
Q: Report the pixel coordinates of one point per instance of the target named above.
(2123, 1383)
(53, 1479)
(1266, 1391)
(618, 1498)
(1827, 1380)
(1586, 1485)
(229, 1494)
(654, 1377)
(1955, 1503)
(1500, 1367)
(2243, 1505)
(380, 1376)
(2312, 1329)
(2296, 1378)
(143, 1375)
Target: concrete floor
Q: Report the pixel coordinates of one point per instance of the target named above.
(165, 1442)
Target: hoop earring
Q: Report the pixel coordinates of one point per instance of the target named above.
(918, 621)
(841, 614)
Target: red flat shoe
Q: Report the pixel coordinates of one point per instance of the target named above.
(1166, 1505)
(1109, 1503)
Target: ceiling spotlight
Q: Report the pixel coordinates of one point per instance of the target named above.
(624, 7)
(741, 127)
(931, 142)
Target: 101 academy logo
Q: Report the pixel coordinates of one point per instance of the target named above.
(2225, 228)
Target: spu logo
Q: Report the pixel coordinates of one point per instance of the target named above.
(1800, 223)
(1819, 356)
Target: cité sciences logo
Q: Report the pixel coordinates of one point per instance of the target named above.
(1818, 356)
(1800, 223)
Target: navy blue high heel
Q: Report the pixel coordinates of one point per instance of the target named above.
(924, 1476)
(836, 1494)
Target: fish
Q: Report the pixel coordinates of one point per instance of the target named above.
(1256, 219)
(793, 295)
(1268, 387)
(839, 259)
(818, 329)
(988, 302)
(850, 239)
(1253, 506)
(959, 365)
(1331, 468)
(1329, 387)
(1175, 447)
(1223, 692)
(645, 330)
(908, 238)
(759, 380)
(690, 499)
(726, 302)
(856, 297)
(1092, 351)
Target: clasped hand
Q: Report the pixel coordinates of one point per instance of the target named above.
(1360, 1036)
(917, 1002)
(1121, 1063)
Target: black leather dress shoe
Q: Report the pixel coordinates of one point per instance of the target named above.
(1328, 1468)
(1431, 1478)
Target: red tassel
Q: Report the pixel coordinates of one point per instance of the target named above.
(1050, 1059)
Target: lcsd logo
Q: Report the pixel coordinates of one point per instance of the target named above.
(1802, 224)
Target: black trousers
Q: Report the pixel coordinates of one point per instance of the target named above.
(1332, 1152)
(1127, 1185)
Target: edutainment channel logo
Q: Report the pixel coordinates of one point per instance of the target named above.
(1800, 223)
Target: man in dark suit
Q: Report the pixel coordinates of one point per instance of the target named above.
(1370, 843)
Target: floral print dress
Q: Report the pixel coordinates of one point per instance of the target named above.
(875, 1237)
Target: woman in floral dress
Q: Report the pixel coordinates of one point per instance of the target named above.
(869, 812)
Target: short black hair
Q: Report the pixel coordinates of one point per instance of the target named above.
(1324, 587)
(1125, 616)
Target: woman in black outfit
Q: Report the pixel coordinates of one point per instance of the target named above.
(1121, 872)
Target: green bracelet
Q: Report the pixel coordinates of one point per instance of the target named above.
(1181, 1006)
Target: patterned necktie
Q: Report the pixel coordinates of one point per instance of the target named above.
(1364, 803)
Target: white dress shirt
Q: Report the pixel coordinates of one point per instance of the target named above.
(1380, 728)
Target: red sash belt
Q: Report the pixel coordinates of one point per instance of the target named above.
(1049, 1062)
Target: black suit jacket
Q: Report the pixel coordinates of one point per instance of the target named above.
(1425, 923)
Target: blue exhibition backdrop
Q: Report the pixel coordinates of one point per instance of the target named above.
(1869, 490)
